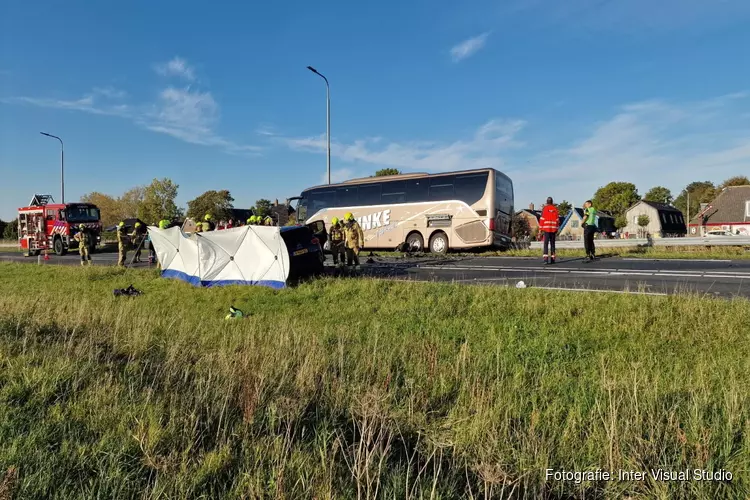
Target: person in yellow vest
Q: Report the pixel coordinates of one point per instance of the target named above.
(84, 241)
(355, 240)
(268, 221)
(122, 244)
(137, 239)
(207, 224)
(338, 241)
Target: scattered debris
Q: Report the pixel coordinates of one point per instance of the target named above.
(234, 313)
(128, 292)
(520, 284)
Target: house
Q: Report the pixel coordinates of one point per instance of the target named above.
(572, 226)
(729, 211)
(532, 218)
(663, 220)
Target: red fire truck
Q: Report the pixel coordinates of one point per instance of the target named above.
(46, 225)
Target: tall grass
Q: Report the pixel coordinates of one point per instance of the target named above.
(362, 389)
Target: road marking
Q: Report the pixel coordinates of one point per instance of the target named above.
(596, 290)
(680, 260)
(681, 275)
(615, 272)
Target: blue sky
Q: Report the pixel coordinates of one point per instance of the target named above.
(562, 96)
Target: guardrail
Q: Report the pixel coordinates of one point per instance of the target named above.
(725, 241)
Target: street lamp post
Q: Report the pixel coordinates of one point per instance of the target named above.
(62, 165)
(328, 118)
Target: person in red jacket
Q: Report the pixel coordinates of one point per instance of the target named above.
(548, 225)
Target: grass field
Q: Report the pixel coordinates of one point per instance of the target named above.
(362, 388)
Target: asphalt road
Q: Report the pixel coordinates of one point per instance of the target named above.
(724, 278)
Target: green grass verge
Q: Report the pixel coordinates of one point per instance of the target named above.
(347, 388)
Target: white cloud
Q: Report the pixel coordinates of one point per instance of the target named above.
(469, 47)
(648, 143)
(176, 67)
(189, 115)
(110, 92)
(481, 150)
(338, 175)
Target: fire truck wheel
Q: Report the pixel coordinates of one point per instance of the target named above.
(59, 247)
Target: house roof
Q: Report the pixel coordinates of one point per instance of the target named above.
(727, 208)
(535, 213)
(662, 207)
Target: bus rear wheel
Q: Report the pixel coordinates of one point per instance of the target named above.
(439, 243)
(415, 242)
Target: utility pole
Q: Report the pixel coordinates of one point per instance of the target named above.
(62, 166)
(328, 118)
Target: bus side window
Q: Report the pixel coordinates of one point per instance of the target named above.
(369, 194)
(416, 190)
(393, 192)
(320, 199)
(470, 188)
(441, 188)
(347, 197)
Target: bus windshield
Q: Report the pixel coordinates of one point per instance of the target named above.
(82, 213)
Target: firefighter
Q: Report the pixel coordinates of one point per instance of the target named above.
(198, 227)
(207, 224)
(268, 221)
(163, 224)
(136, 239)
(338, 241)
(122, 244)
(249, 221)
(355, 240)
(548, 225)
(84, 240)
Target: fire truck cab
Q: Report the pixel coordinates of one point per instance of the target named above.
(46, 225)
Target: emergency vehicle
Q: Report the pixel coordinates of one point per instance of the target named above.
(46, 225)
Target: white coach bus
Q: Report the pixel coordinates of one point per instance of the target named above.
(437, 212)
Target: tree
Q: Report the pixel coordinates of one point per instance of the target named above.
(158, 202)
(387, 171)
(11, 230)
(616, 197)
(643, 221)
(737, 180)
(659, 194)
(216, 203)
(564, 208)
(621, 221)
(263, 207)
(700, 192)
(3, 225)
(109, 208)
(520, 226)
(129, 204)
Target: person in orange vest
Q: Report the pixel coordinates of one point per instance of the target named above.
(548, 224)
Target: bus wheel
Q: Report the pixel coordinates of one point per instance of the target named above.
(415, 242)
(439, 243)
(58, 247)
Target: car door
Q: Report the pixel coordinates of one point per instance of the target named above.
(318, 229)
